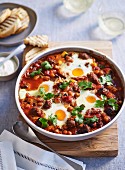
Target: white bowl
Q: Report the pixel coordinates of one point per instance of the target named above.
(62, 136)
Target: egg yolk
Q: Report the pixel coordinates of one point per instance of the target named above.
(77, 72)
(46, 87)
(60, 115)
(90, 99)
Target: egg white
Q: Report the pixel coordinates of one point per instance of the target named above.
(52, 111)
(22, 92)
(77, 63)
(82, 100)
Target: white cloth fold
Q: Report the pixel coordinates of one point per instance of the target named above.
(30, 157)
(7, 158)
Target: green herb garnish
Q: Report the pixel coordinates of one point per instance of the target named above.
(106, 80)
(90, 120)
(79, 118)
(34, 73)
(48, 96)
(112, 102)
(53, 119)
(46, 65)
(44, 122)
(103, 97)
(77, 109)
(42, 90)
(63, 85)
(85, 85)
(99, 103)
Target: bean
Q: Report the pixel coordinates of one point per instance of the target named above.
(70, 93)
(46, 78)
(36, 77)
(65, 132)
(52, 73)
(39, 99)
(70, 108)
(77, 95)
(56, 131)
(57, 100)
(39, 103)
(73, 103)
(64, 127)
(69, 59)
(51, 128)
(107, 119)
(101, 72)
(27, 106)
(96, 71)
(74, 131)
(69, 133)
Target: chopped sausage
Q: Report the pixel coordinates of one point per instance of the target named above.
(35, 111)
(109, 110)
(70, 123)
(67, 99)
(92, 112)
(112, 88)
(47, 104)
(83, 129)
(93, 78)
(84, 56)
(107, 93)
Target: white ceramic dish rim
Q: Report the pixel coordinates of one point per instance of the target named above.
(62, 136)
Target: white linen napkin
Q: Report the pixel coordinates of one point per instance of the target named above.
(7, 158)
(30, 157)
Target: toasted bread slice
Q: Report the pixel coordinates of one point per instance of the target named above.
(37, 41)
(9, 26)
(24, 25)
(5, 14)
(24, 18)
(30, 52)
(20, 13)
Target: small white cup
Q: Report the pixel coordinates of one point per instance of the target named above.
(78, 6)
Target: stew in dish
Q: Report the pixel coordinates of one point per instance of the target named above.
(70, 93)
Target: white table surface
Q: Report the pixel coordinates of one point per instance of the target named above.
(53, 22)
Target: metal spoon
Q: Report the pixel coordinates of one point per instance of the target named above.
(16, 51)
(23, 131)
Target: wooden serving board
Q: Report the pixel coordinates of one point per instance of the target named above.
(105, 144)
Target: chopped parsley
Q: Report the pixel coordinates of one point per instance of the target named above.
(46, 65)
(90, 120)
(85, 85)
(112, 102)
(103, 97)
(106, 80)
(77, 109)
(63, 85)
(48, 96)
(99, 103)
(53, 119)
(42, 90)
(34, 73)
(44, 122)
(79, 118)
